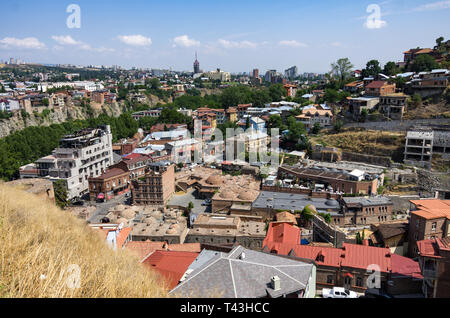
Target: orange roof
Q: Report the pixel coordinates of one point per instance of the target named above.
(122, 237)
(170, 264)
(283, 233)
(283, 238)
(360, 256)
(432, 209)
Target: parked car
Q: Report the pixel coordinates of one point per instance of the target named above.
(338, 292)
(207, 202)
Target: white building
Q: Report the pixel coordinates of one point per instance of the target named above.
(218, 75)
(87, 153)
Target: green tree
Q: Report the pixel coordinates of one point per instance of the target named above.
(364, 115)
(372, 68)
(341, 70)
(338, 126)
(390, 69)
(424, 63)
(60, 189)
(316, 128)
(277, 92)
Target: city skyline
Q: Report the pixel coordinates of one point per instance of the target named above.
(150, 36)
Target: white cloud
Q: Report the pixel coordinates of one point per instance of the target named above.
(65, 40)
(336, 44)
(237, 44)
(135, 40)
(292, 43)
(25, 43)
(440, 5)
(185, 41)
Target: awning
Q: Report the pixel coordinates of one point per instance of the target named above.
(348, 275)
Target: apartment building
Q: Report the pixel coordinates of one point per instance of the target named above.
(84, 154)
(315, 114)
(379, 88)
(430, 219)
(157, 186)
(112, 182)
(358, 104)
(422, 143)
(393, 106)
(434, 260)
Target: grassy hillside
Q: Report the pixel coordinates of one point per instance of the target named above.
(378, 143)
(39, 243)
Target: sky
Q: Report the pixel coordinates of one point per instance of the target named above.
(233, 35)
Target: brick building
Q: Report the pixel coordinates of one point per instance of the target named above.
(157, 186)
(225, 229)
(350, 266)
(434, 260)
(379, 88)
(112, 182)
(340, 182)
(430, 219)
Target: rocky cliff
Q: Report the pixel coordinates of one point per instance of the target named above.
(55, 116)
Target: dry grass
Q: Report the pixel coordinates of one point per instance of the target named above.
(378, 143)
(39, 242)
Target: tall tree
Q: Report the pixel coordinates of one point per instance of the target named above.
(390, 69)
(372, 68)
(341, 70)
(424, 63)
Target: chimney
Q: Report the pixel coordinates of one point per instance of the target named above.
(276, 283)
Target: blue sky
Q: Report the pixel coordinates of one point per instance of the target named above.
(233, 35)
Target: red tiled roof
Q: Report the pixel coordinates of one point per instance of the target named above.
(360, 256)
(403, 266)
(376, 84)
(111, 173)
(283, 233)
(432, 248)
(282, 239)
(432, 209)
(170, 264)
(132, 156)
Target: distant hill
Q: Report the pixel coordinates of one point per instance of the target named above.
(40, 244)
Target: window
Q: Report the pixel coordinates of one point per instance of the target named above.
(348, 280)
(359, 282)
(330, 279)
(434, 226)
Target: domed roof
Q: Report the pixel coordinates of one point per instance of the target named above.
(214, 180)
(247, 195)
(226, 194)
(122, 220)
(128, 214)
(330, 202)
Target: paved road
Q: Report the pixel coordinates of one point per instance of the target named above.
(102, 208)
(183, 200)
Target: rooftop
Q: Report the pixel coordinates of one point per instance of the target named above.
(432, 209)
(294, 202)
(244, 273)
(170, 264)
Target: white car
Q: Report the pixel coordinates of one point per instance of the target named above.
(338, 292)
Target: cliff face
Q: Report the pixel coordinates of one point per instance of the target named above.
(56, 116)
